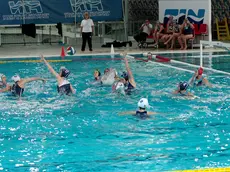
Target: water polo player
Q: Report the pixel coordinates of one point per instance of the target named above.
(17, 88)
(141, 112)
(64, 86)
(198, 79)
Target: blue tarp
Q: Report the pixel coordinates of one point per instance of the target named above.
(54, 11)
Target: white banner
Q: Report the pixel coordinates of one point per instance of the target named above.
(197, 11)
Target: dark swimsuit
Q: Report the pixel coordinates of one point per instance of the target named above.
(198, 82)
(188, 30)
(64, 89)
(129, 88)
(170, 30)
(2, 85)
(158, 29)
(176, 29)
(16, 90)
(142, 115)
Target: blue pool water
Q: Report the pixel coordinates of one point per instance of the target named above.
(46, 132)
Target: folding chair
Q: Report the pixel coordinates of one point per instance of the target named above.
(204, 30)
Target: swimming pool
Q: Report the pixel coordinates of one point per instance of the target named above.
(46, 132)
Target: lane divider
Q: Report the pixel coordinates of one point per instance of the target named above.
(227, 169)
(30, 61)
(98, 59)
(184, 63)
(56, 61)
(165, 65)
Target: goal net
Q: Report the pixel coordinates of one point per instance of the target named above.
(214, 59)
(218, 60)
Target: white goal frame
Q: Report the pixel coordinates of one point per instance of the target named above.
(212, 44)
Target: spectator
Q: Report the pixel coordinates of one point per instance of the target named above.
(87, 31)
(169, 29)
(146, 29)
(158, 32)
(175, 35)
(186, 34)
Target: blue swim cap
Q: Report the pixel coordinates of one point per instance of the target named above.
(65, 72)
(125, 76)
(183, 86)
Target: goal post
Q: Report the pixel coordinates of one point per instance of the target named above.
(218, 44)
(215, 44)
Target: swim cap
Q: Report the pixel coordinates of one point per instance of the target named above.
(150, 55)
(64, 72)
(119, 86)
(2, 76)
(143, 103)
(125, 76)
(99, 73)
(106, 70)
(16, 78)
(183, 86)
(200, 71)
(62, 67)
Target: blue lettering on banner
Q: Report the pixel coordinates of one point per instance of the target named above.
(54, 11)
(180, 15)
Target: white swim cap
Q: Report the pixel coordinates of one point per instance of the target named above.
(16, 78)
(145, 54)
(2, 76)
(143, 103)
(120, 86)
(62, 67)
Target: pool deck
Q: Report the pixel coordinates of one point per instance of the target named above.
(19, 51)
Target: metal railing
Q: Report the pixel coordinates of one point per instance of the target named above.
(45, 34)
(48, 34)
